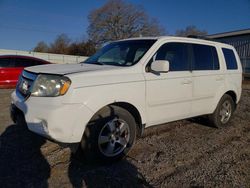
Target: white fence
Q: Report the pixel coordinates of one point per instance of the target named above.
(54, 58)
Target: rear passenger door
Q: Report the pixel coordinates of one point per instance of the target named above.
(207, 76)
(169, 95)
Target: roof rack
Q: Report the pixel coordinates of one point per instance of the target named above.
(201, 37)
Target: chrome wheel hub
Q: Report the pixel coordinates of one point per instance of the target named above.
(225, 112)
(113, 137)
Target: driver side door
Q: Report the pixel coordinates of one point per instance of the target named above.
(169, 95)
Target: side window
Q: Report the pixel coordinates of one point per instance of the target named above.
(20, 62)
(176, 54)
(36, 62)
(205, 57)
(6, 62)
(230, 59)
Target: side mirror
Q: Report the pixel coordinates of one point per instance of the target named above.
(161, 66)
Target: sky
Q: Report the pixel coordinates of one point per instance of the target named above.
(23, 23)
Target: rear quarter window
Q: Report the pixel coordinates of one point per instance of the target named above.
(230, 59)
(205, 57)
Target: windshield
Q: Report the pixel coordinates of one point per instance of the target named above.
(122, 53)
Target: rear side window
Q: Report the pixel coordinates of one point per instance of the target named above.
(230, 59)
(205, 57)
(6, 62)
(176, 54)
(21, 62)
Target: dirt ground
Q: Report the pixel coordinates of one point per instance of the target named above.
(185, 153)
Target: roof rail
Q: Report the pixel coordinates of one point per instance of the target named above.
(201, 37)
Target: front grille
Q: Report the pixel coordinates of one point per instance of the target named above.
(25, 83)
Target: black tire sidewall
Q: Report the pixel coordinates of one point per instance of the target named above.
(89, 141)
(215, 117)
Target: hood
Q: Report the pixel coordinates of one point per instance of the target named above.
(64, 69)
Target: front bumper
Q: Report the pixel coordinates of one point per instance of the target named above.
(17, 115)
(49, 117)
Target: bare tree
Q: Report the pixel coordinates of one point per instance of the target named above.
(60, 45)
(82, 48)
(63, 45)
(41, 47)
(190, 30)
(118, 19)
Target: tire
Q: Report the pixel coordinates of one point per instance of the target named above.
(223, 111)
(109, 135)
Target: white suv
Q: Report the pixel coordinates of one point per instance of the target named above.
(106, 101)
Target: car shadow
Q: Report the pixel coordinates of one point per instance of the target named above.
(21, 161)
(97, 174)
(202, 120)
(22, 164)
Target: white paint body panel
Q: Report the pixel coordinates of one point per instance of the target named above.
(158, 98)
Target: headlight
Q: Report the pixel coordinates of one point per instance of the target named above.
(50, 85)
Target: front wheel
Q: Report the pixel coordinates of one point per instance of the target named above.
(110, 134)
(223, 111)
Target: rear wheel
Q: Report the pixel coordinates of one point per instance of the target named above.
(109, 135)
(223, 111)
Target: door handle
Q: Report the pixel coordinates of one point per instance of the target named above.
(186, 81)
(219, 78)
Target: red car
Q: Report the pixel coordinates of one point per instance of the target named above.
(12, 65)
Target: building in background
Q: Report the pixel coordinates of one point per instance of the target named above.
(53, 58)
(241, 41)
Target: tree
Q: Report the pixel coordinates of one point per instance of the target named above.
(41, 47)
(63, 45)
(89, 48)
(82, 48)
(60, 45)
(190, 30)
(118, 19)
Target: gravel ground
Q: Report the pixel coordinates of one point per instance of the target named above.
(185, 153)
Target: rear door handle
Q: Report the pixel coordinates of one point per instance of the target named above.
(219, 78)
(186, 81)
